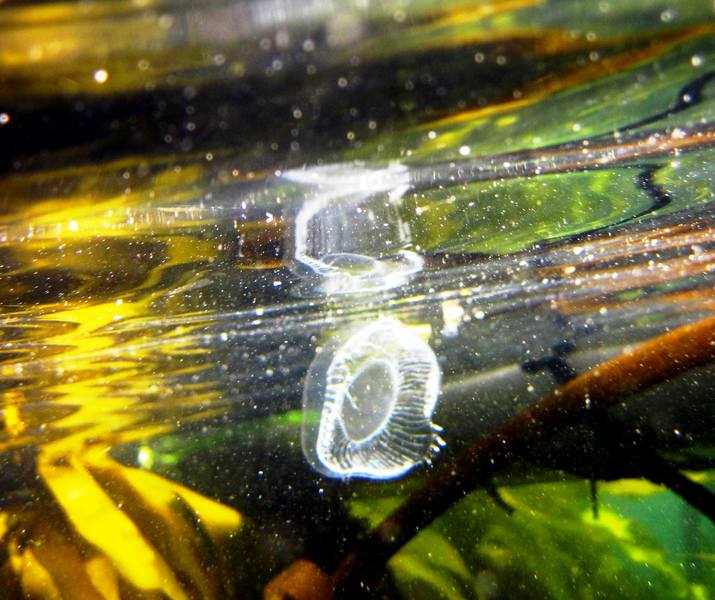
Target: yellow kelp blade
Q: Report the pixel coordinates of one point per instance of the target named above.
(179, 531)
(98, 520)
(47, 559)
(109, 532)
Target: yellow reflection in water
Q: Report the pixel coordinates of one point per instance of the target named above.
(95, 529)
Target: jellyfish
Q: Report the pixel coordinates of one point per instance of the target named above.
(368, 401)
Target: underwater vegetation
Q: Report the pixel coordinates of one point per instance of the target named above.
(398, 299)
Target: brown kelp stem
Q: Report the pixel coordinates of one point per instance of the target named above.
(649, 364)
(653, 362)
(602, 153)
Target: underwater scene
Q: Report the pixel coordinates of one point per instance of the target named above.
(326, 299)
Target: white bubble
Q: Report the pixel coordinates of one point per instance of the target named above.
(101, 76)
(667, 15)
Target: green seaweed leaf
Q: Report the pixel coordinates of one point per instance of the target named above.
(551, 547)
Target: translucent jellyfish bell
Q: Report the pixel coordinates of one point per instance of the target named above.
(368, 402)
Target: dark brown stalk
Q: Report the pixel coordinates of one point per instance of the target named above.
(649, 364)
